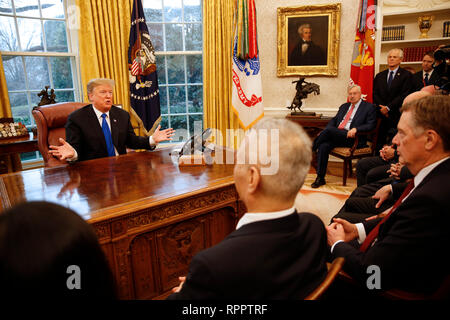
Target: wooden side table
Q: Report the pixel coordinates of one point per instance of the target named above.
(312, 125)
(17, 146)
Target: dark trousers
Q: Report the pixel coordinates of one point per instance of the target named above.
(371, 169)
(329, 139)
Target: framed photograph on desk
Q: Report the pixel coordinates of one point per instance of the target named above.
(308, 40)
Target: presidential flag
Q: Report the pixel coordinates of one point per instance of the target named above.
(246, 73)
(144, 89)
(363, 59)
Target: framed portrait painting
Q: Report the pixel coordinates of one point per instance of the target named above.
(308, 40)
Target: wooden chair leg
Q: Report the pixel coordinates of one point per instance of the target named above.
(344, 175)
(350, 173)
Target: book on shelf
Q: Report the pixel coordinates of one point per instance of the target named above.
(415, 54)
(446, 29)
(392, 33)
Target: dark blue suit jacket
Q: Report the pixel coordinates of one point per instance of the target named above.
(412, 245)
(84, 133)
(365, 118)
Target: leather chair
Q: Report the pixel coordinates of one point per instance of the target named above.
(333, 270)
(349, 153)
(50, 120)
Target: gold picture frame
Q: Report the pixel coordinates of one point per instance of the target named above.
(321, 56)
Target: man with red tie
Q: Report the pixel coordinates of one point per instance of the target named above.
(410, 244)
(353, 116)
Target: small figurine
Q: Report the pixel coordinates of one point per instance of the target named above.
(46, 99)
(303, 89)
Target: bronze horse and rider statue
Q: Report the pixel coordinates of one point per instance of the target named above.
(303, 89)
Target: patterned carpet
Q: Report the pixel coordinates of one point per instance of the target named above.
(326, 200)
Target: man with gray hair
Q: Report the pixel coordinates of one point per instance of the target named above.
(101, 129)
(409, 246)
(306, 53)
(390, 88)
(353, 116)
(275, 252)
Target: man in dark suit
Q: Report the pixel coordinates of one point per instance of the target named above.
(410, 244)
(390, 87)
(353, 116)
(306, 52)
(101, 129)
(426, 76)
(275, 252)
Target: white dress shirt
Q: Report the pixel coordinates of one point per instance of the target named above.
(261, 216)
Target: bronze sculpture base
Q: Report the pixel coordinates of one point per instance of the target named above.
(302, 113)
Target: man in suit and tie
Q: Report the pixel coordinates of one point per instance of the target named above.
(353, 116)
(410, 244)
(101, 129)
(306, 52)
(275, 252)
(427, 76)
(390, 87)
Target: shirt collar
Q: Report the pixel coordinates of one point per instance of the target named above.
(429, 73)
(425, 171)
(99, 113)
(262, 216)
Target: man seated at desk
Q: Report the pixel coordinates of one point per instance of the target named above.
(353, 116)
(102, 130)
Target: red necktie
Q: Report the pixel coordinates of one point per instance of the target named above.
(347, 117)
(374, 233)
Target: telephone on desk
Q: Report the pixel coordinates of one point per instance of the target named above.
(187, 153)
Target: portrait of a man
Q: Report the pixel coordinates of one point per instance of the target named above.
(308, 41)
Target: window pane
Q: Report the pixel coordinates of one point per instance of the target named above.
(61, 72)
(195, 98)
(5, 6)
(8, 35)
(172, 10)
(179, 123)
(195, 124)
(156, 36)
(56, 36)
(164, 125)
(163, 100)
(177, 99)
(175, 69)
(34, 98)
(193, 36)
(52, 9)
(174, 37)
(28, 8)
(14, 73)
(30, 32)
(37, 72)
(161, 69)
(27, 156)
(152, 10)
(19, 108)
(64, 96)
(192, 10)
(194, 68)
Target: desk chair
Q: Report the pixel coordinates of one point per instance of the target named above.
(333, 270)
(349, 153)
(50, 121)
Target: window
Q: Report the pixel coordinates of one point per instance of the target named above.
(175, 27)
(36, 50)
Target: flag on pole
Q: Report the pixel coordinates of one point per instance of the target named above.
(144, 89)
(246, 73)
(363, 59)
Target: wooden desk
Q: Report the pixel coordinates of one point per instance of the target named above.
(19, 145)
(311, 125)
(150, 215)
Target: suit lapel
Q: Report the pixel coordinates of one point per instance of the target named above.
(396, 79)
(357, 114)
(94, 123)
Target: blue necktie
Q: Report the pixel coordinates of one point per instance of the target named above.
(391, 75)
(108, 137)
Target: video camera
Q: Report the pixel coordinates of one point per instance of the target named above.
(443, 69)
